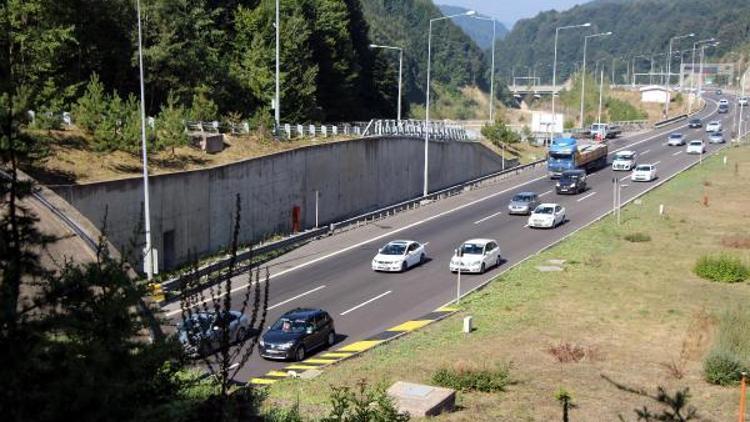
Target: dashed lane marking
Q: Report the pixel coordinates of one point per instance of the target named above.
(587, 196)
(488, 217)
(367, 302)
(297, 297)
(677, 153)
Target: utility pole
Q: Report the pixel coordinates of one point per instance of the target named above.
(149, 251)
(277, 98)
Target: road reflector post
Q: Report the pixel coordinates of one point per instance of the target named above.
(661, 209)
(725, 160)
(468, 324)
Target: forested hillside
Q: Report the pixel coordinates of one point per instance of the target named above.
(639, 26)
(479, 31)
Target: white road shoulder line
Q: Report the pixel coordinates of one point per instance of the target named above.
(545, 193)
(623, 178)
(488, 217)
(657, 163)
(586, 197)
(646, 152)
(677, 153)
(366, 302)
(297, 297)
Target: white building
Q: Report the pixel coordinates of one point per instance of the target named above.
(655, 94)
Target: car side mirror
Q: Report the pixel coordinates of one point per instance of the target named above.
(309, 330)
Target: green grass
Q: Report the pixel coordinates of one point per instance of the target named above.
(633, 307)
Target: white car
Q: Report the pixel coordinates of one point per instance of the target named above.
(399, 255)
(714, 126)
(476, 256)
(547, 216)
(624, 160)
(676, 139)
(643, 173)
(742, 101)
(696, 147)
(716, 138)
(723, 101)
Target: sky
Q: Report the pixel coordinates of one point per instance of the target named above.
(509, 11)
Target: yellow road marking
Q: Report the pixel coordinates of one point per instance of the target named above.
(336, 355)
(277, 374)
(261, 381)
(301, 367)
(410, 325)
(446, 309)
(360, 346)
(321, 361)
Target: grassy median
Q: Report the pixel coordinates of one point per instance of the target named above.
(627, 307)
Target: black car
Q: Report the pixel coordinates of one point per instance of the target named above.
(297, 333)
(723, 108)
(719, 92)
(571, 182)
(695, 123)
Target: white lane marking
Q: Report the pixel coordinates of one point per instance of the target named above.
(526, 225)
(365, 303)
(417, 223)
(297, 297)
(657, 163)
(545, 193)
(586, 197)
(646, 152)
(234, 365)
(677, 153)
(623, 178)
(480, 221)
(425, 243)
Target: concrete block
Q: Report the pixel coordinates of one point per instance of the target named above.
(208, 142)
(422, 400)
(548, 268)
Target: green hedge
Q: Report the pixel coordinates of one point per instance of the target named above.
(722, 268)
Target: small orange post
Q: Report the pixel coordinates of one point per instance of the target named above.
(741, 417)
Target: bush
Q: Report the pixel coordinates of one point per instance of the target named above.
(620, 110)
(500, 133)
(471, 378)
(723, 268)
(722, 368)
(637, 237)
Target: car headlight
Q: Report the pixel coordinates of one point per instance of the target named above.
(558, 184)
(286, 346)
(262, 343)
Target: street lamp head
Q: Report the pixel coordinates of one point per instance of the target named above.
(470, 13)
(608, 33)
(586, 25)
(691, 35)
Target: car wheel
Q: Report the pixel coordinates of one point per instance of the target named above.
(299, 355)
(331, 338)
(403, 266)
(482, 269)
(241, 334)
(498, 261)
(422, 259)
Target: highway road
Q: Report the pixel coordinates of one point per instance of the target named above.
(334, 273)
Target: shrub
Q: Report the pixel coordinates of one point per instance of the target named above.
(722, 368)
(464, 377)
(500, 133)
(637, 237)
(722, 268)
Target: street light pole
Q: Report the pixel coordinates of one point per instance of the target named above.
(277, 101)
(741, 107)
(425, 189)
(554, 65)
(400, 73)
(583, 71)
(601, 89)
(692, 72)
(669, 68)
(148, 256)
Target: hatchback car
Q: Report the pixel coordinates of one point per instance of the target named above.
(676, 139)
(696, 147)
(723, 108)
(714, 126)
(476, 256)
(523, 203)
(297, 333)
(716, 138)
(547, 216)
(695, 123)
(399, 255)
(571, 182)
(204, 332)
(643, 173)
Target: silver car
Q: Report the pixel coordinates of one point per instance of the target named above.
(523, 203)
(202, 332)
(716, 138)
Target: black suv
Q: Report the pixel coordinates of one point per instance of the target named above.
(695, 123)
(297, 333)
(723, 108)
(571, 182)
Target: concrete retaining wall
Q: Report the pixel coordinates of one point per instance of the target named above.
(191, 212)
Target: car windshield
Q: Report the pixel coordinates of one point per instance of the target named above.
(522, 198)
(560, 155)
(544, 210)
(287, 325)
(698, 143)
(198, 323)
(676, 136)
(624, 156)
(394, 249)
(472, 249)
(643, 168)
(569, 178)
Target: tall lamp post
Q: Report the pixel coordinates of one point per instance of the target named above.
(277, 97)
(492, 71)
(148, 253)
(425, 189)
(692, 70)
(633, 65)
(400, 73)
(554, 64)
(740, 106)
(703, 54)
(583, 69)
(669, 67)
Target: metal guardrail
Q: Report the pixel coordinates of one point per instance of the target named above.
(663, 123)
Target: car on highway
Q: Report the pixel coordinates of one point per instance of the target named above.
(297, 333)
(714, 126)
(676, 139)
(695, 123)
(624, 160)
(643, 173)
(476, 256)
(716, 138)
(571, 182)
(547, 215)
(696, 147)
(399, 255)
(742, 101)
(523, 203)
(201, 333)
(723, 108)
(719, 92)
(723, 101)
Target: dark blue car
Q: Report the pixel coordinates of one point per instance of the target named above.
(297, 333)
